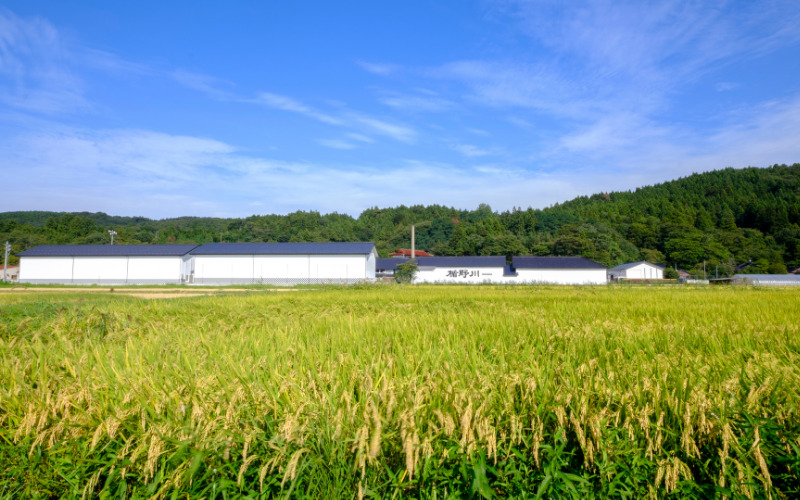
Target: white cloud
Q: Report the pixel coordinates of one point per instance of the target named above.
(417, 103)
(726, 86)
(337, 144)
(213, 87)
(469, 150)
(359, 137)
(519, 85)
(378, 68)
(343, 118)
(657, 40)
(289, 104)
(398, 132)
(36, 67)
(135, 172)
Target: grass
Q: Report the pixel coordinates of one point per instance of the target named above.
(423, 391)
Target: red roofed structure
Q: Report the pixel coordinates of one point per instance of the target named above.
(406, 252)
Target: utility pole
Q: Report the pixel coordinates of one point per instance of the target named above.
(112, 233)
(412, 242)
(7, 248)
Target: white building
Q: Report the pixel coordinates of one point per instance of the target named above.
(11, 272)
(767, 279)
(462, 270)
(558, 270)
(283, 263)
(641, 270)
(106, 264)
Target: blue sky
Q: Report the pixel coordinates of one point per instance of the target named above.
(230, 109)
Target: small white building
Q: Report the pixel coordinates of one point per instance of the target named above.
(106, 264)
(558, 270)
(462, 270)
(283, 263)
(641, 270)
(11, 272)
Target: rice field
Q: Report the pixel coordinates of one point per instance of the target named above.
(403, 391)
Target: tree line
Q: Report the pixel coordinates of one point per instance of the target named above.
(726, 221)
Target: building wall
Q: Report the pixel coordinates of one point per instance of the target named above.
(282, 269)
(100, 270)
(349, 267)
(155, 268)
(45, 269)
(187, 268)
(213, 267)
(369, 271)
(643, 272)
(562, 276)
(460, 275)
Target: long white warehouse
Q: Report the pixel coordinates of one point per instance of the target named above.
(559, 270)
(493, 269)
(283, 263)
(106, 264)
(482, 269)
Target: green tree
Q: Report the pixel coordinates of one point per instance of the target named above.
(406, 272)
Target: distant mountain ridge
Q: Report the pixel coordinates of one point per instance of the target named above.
(724, 218)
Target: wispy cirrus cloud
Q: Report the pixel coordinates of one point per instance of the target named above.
(655, 40)
(286, 103)
(395, 131)
(601, 56)
(341, 117)
(42, 71)
(379, 68)
(512, 84)
(417, 103)
(469, 150)
(209, 85)
(36, 67)
(163, 175)
(337, 144)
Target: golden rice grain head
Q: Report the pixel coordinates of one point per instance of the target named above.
(97, 434)
(576, 424)
(112, 425)
(561, 415)
(743, 486)
(247, 440)
(466, 425)
(377, 429)
(243, 469)
(262, 474)
(291, 467)
(153, 452)
(91, 484)
(360, 447)
(56, 432)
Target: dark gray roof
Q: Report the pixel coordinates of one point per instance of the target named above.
(466, 261)
(629, 265)
(326, 248)
(108, 250)
(536, 262)
(389, 264)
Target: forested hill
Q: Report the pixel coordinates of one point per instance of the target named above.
(733, 219)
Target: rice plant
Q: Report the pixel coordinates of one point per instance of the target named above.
(403, 391)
